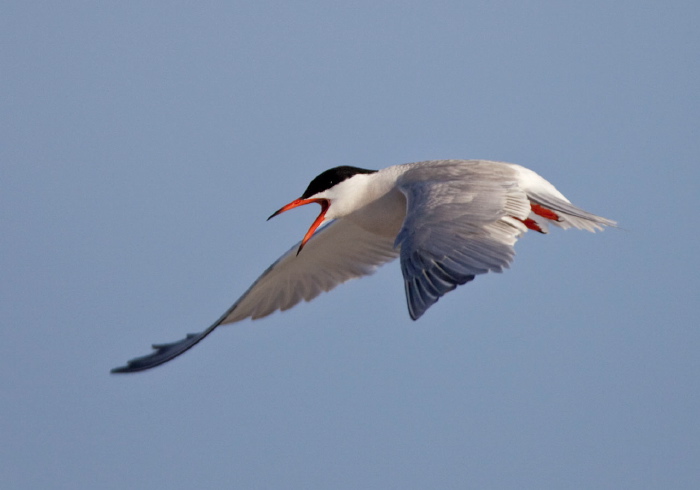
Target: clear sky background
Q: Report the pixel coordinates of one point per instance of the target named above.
(143, 145)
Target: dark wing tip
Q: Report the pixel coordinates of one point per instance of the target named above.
(163, 353)
(426, 281)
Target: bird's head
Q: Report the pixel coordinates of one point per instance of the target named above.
(334, 190)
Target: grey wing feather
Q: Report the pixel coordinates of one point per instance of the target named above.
(459, 223)
(336, 253)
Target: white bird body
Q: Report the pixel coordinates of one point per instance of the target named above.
(448, 220)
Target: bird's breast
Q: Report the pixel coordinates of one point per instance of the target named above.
(383, 216)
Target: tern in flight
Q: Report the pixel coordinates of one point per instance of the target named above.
(447, 220)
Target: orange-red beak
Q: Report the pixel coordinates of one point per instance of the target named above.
(325, 204)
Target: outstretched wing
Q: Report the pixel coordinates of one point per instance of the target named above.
(338, 252)
(462, 219)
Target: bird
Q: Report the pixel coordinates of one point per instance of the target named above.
(446, 220)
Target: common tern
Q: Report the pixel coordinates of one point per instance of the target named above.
(448, 220)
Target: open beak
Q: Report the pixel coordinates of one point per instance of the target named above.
(325, 204)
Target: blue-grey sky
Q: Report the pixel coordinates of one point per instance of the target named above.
(143, 145)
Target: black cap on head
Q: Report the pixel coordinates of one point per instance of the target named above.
(331, 177)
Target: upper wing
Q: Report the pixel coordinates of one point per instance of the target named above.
(338, 252)
(462, 219)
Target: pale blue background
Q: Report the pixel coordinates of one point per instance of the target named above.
(142, 146)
